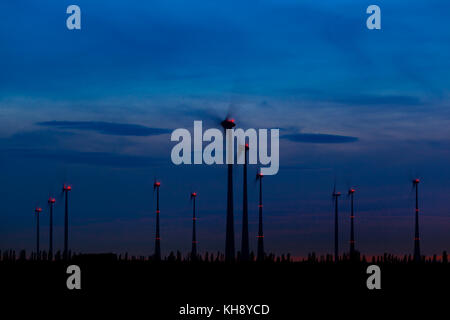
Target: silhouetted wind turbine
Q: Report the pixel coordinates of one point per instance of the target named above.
(417, 257)
(37, 211)
(194, 236)
(351, 193)
(245, 251)
(51, 202)
(336, 195)
(66, 189)
(260, 236)
(229, 237)
(156, 186)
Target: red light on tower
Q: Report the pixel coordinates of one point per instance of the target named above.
(228, 124)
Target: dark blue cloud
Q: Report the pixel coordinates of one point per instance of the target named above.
(110, 128)
(318, 138)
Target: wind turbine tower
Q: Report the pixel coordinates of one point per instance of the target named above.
(51, 203)
(66, 189)
(37, 211)
(229, 237)
(194, 235)
(351, 193)
(156, 186)
(336, 196)
(245, 254)
(260, 236)
(416, 233)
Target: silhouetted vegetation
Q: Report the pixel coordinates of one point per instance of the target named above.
(218, 257)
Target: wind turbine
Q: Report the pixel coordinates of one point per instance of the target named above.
(157, 256)
(66, 189)
(417, 256)
(351, 193)
(260, 236)
(336, 195)
(245, 254)
(194, 236)
(51, 203)
(37, 211)
(229, 237)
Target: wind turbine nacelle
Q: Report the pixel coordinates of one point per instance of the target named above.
(228, 124)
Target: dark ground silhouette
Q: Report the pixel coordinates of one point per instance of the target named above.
(10, 256)
(161, 287)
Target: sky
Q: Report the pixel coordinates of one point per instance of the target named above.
(95, 108)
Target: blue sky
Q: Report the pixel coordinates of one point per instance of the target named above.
(367, 108)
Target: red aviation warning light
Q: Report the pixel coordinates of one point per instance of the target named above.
(228, 123)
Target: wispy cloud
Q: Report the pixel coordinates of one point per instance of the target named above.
(319, 138)
(109, 128)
